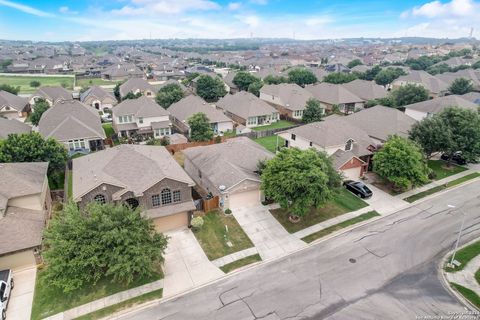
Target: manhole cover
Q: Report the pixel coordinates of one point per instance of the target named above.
(352, 260)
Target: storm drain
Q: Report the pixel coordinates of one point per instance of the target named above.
(351, 260)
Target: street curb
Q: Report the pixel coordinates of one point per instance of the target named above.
(446, 283)
(265, 262)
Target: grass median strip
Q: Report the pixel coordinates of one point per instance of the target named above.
(157, 294)
(341, 225)
(447, 185)
(464, 256)
(469, 294)
(241, 263)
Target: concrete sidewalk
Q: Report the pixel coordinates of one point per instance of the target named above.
(266, 233)
(220, 262)
(383, 202)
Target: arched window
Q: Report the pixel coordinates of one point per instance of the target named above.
(166, 195)
(132, 203)
(349, 145)
(100, 198)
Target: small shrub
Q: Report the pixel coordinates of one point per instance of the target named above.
(218, 139)
(432, 175)
(35, 84)
(228, 211)
(197, 223)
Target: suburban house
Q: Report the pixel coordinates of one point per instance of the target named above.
(427, 108)
(288, 98)
(74, 124)
(51, 94)
(331, 95)
(366, 90)
(122, 72)
(228, 80)
(469, 74)
(349, 147)
(12, 126)
(435, 86)
(247, 109)
(472, 97)
(228, 170)
(13, 106)
(182, 110)
(380, 122)
(141, 116)
(98, 98)
(139, 176)
(137, 85)
(25, 205)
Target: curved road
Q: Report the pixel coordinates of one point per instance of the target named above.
(383, 270)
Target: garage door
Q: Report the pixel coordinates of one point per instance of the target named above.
(244, 199)
(20, 260)
(352, 174)
(175, 221)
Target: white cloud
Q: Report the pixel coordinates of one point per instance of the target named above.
(251, 20)
(436, 9)
(66, 10)
(24, 8)
(142, 7)
(261, 2)
(317, 21)
(234, 6)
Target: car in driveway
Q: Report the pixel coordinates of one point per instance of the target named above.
(358, 188)
(456, 157)
(6, 286)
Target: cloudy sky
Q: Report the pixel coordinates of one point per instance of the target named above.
(83, 20)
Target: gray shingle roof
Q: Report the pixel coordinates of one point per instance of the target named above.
(332, 93)
(54, 93)
(431, 83)
(134, 84)
(71, 120)
(438, 104)
(230, 162)
(340, 157)
(293, 96)
(132, 167)
(97, 92)
(366, 90)
(188, 106)
(12, 101)
(380, 122)
(245, 105)
(9, 126)
(141, 107)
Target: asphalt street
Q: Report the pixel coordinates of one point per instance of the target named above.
(383, 270)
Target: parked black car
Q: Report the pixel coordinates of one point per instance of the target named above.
(358, 188)
(456, 157)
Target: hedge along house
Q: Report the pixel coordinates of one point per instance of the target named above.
(139, 176)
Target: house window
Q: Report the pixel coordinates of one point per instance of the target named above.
(162, 132)
(156, 200)
(177, 196)
(297, 113)
(166, 196)
(76, 144)
(349, 145)
(132, 203)
(252, 121)
(100, 198)
(294, 136)
(140, 120)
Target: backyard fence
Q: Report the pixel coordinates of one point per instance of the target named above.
(264, 133)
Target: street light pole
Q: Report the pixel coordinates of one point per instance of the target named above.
(459, 235)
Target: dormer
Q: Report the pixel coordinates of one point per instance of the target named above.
(349, 144)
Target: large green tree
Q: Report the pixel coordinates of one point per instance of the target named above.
(339, 77)
(386, 76)
(313, 111)
(354, 63)
(200, 129)
(370, 74)
(271, 79)
(9, 88)
(255, 87)
(101, 240)
(402, 162)
(432, 134)
(299, 179)
(408, 94)
(39, 108)
(244, 79)
(301, 76)
(461, 86)
(32, 147)
(210, 88)
(169, 94)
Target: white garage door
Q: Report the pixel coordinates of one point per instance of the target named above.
(352, 174)
(244, 199)
(19, 260)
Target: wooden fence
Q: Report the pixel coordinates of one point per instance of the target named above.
(264, 133)
(173, 148)
(211, 204)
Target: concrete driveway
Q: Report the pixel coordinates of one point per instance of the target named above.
(383, 202)
(186, 265)
(20, 305)
(266, 233)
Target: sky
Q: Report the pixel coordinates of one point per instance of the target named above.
(88, 20)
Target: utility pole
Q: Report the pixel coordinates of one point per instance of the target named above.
(459, 236)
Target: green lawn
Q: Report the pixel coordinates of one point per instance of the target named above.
(94, 82)
(241, 263)
(441, 170)
(48, 300)
(343, 202)
(436, 189)
(24, 82)
(102, 313)
(213, 236)
(276, 125)
(70, 184)
(477, 276)
(464, 255)
(56, 180)
(339, 226)
(270, 142)
(107, 127)
(470, 295)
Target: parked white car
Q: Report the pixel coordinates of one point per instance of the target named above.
(6, 286)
